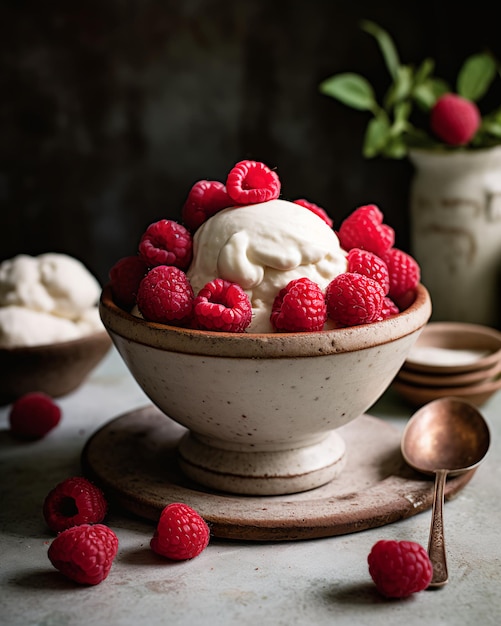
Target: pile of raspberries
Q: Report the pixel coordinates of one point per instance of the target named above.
(379, 282)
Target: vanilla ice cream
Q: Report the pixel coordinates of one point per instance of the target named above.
(262, 247)
(44, 299)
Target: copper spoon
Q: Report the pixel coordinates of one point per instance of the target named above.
(445, 437)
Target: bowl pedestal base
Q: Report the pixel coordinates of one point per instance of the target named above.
(251, 471)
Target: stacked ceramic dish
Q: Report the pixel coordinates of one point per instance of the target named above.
(452, 359)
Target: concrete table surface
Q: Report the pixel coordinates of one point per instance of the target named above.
(313, 582)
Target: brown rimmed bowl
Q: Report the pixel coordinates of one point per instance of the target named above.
(262, 410)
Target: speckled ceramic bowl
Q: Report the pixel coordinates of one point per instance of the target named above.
(56, 369)
(262, 409)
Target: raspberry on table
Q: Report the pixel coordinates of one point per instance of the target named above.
(365, 229)
(223, 306)
(205, 199)
(251, 182)
(181, 533)
(299, 307)
(369, 264)
(404, 272)
(354, 299)
(166, 242)
(165, 295)
(399, 568)
(33, 415)
(84, 553)
(125, 277)
(455, 119)
(322, 213)
(73, 502)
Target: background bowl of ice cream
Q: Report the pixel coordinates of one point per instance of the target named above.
(262, 409)
(56, 369)
(51, 335)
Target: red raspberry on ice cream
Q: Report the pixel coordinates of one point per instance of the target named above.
(404, 272)
(454, 119)
(322, 213)
(365, 229)
(165, 296)
(125, 277)
(250, 182)
(166, 243)
(205, 198)
(222, 305)
(369, 264)
(299, 307)
(354, 299)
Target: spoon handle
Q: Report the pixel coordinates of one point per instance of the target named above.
(436, 545)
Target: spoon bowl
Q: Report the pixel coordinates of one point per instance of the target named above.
(448, 436)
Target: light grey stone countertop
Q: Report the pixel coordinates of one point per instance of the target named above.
(311, 582)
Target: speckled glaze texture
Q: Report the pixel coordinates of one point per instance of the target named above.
(261, 409)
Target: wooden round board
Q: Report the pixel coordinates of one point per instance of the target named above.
(134, 460)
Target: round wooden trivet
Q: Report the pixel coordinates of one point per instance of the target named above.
(134, 460)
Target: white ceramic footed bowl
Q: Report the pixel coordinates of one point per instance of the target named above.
(262, 409)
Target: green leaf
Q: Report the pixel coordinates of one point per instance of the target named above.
(402, 114)
(476, 76)
(424, 71)
(428, 92)
(376, 136)
(424, 96)
(401, 87)
(396, 148)
(386, 45)
(350, 89)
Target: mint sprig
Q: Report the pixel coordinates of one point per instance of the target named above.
(391, 131)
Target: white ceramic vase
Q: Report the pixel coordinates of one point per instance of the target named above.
(455, 205)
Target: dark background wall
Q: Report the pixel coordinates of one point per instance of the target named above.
(111, 110)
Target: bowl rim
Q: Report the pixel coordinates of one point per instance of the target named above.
(485, 387)
(97, 335)
(121, 323)
(466, 333)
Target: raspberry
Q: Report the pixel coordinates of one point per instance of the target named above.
(125, 277)
(206, 198)
(222, 305)
(181, 533)
(299, 307)
(369, 264)
(33, 415)
(322, 213)
(364, 229)
(84, 553)
(399, 568)
(73, 502)
(354, 299)
(454, 119)
(389, 309)
(166, 243)
(250, 182)
(165, 296)
(404, 271)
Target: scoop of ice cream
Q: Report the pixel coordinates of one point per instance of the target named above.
(262, 247)
(46, 299)
(52, 283)
(22, 327)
